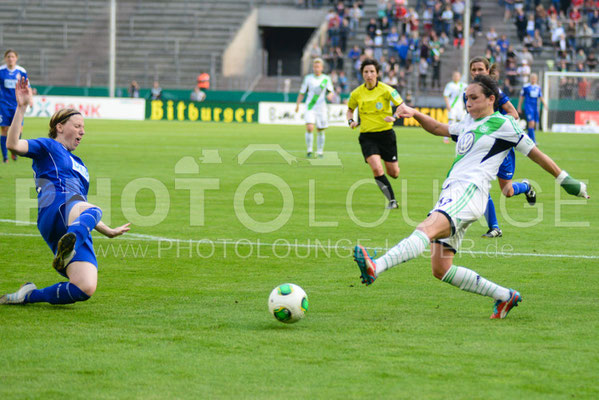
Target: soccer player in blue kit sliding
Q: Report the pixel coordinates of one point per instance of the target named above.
(10, 73)
(65, 218)
(530, 93)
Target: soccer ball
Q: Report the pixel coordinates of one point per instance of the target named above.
(288, 303)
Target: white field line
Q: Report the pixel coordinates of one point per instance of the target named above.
(288, 244)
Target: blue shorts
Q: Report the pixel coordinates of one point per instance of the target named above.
(508, 166)
(52, 222)
(532, 115)
(6, 115)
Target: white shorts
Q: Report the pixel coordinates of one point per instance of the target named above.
(462, 203)
(317, 117)
(456, 115)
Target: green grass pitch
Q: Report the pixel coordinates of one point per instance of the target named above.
(189, 319)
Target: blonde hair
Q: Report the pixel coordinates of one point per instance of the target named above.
(7, 52)
(60, 117)
(318, 60)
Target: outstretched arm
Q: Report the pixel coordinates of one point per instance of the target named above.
(24, 98)
(428, 123)
(510, 110)
(110, 232)
(570, 185)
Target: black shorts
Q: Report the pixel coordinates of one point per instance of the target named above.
(381, 143)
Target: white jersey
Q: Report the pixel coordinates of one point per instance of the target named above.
(454, 92)
(481, 147)
(316, 88)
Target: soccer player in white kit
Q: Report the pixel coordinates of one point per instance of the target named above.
(316, 88)
(483, 139)
(452, 94)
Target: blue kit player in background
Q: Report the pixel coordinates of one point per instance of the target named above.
(529, 96)
(481, 66)
(10, 73)
(65, 218)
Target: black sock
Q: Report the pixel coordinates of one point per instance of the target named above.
(385, 186)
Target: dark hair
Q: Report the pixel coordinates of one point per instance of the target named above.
(370, 61)
(489, 87)
(60, 117)
(492, 68)
(7, 52)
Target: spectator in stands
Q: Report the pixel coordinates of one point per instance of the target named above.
(343, 34)
(355, 15)
(541, 19)
(204, 81)
(476, 21)
(580, 57)
(436, 78)
(511, 73)
(447, 18)
(423, 72)
(354, 53)
(458, 10)
(526, 56)
(509, 10)
(492, 38)
(591, 61)
(384, 26)
(403, 48)
(343, 82)
(571, 35)
(585, 36)
(391, 79)
(156, 92)
(530, 25)
(558, 36)
(503, 44)
(427, 20)
(378, 45)
(402, 83)
(197, 94)
(315, 51)
(523, 72)
(134, 89)
(443, 40)
(520, 22)
(537, 44)
(392, 40)
(371, 28)
(438, 25)
(458, 35)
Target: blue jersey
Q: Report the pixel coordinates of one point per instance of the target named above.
(8, 82)
(503, 98)
(531, 94)
(59, 174)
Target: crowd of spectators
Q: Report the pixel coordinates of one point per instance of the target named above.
(564, 32)
(409, 39)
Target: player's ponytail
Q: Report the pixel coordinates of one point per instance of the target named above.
(60, 117)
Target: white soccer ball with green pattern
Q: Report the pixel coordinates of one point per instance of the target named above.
(288, 303)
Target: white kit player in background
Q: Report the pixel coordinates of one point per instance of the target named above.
(453, 94)
(316, 88)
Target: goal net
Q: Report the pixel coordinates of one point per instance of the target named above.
(573, 102)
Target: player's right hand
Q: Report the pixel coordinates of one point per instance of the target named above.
(405, 111)
(22, 92)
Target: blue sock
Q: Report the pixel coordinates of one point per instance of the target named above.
(4, 150)
(520, 187)
(531, 134)
(84, 224)
(60, 293)
(490, 215)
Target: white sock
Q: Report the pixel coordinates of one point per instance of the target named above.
(472, 282)
(409, 248)
(320, 142)
(309, 141)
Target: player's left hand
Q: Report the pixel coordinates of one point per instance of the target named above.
(390, 118)
(119, 230)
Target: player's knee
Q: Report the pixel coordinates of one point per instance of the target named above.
(438, 270)
(394, 173)
(87, 286)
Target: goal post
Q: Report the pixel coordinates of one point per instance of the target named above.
(573, 102)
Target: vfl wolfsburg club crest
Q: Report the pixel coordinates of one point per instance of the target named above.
(379, 105)
(465, 143)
